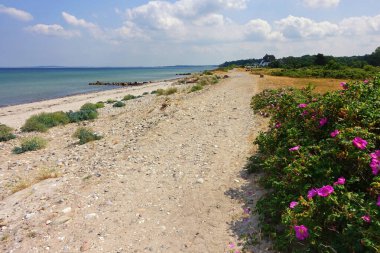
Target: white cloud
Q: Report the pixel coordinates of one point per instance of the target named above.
(258, 29)
(95, 30)
(16, 13)
(52, 30)
(300, 27)
(321, 3)
(360, 25)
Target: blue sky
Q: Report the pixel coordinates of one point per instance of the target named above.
(176, 32)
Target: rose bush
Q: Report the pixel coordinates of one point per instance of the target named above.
(321, 158)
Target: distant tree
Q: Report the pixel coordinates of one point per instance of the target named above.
(269, 58)
(320, 60)
(374, 58)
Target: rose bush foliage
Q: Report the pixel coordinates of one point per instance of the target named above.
(321, 160)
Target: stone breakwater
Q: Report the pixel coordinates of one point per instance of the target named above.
(119, 83)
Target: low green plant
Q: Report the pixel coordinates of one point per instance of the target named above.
(30, 144)
(86, 135)
(111, 101)
(196, 87)
(118, 104)
(6, 133)
(89, 106)
(128, 97)
(154, 92)
(99, 105)
(43, 121)
(145, 93)
(207, 73)
(82, 115)
(167, 92)
(321, 164)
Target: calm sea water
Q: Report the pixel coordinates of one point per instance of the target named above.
(24, 85)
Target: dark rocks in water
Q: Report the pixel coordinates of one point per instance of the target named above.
(183, 74)
(119, 83)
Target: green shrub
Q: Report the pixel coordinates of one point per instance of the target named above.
(30, 144)
(145, 93)
(196, 88)
(86, 135)
(160, 92)
(6, 133)
(89, 106)
(43, 121)
(154, 92)
(129, 97)
(118, 104)
(111, 101)
(99, 105)
(321, 162)
(167, 92)
(82, 115)
(207, 73)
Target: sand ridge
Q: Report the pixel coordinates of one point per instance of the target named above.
(159, 181)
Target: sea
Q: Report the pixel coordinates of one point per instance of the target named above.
(25, 85)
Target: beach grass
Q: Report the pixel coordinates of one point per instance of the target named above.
(30, 144)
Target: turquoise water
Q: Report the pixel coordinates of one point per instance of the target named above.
(24, 85)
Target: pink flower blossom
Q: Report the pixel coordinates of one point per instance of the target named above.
(325, 190)
(295, 148)
(302, 105)
(301, 232)
(293, 204)
(366, 218)
(365, 81)
(278, 125)
(375, 162)
(247, 210)
(311, 193)
(344, 85)
(359, 143)
(375, 166)
(304, 113)
(340, 181)
(231, 245)
(378, 201)
(334, 133)
(323, 121)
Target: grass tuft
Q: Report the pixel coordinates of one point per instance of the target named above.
(86, 135)
(118, 104)
(6, 133)
(30, 144)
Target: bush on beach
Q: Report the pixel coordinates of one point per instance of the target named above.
(321, 162)
(30, 144)
(118, 104)
(86, 135)
(43, 121)
(6, 133)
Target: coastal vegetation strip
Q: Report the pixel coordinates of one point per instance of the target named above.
(320, 159)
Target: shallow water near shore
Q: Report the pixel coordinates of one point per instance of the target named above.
(25, 85)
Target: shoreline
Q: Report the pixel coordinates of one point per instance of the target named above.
(15, 115)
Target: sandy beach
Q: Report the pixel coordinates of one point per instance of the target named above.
(168, 175)
(15, 116)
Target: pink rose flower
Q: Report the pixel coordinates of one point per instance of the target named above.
(325, 191)
(359, 143)
(366, 218)
(334, 133)
(302, 105)
(323, 121)
(278, 125)
(344, 85)
(293, 204)
(378, 201)
(301, 232)
(311, 193)
(340, 181)
(365, 81)
(295, 148)
(375, 162)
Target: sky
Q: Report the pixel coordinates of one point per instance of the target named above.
(181, 32)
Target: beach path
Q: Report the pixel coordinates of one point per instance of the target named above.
(159, 181)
